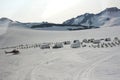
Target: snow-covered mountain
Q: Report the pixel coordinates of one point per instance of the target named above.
(109, 16)
(5, 20)
(10, 23)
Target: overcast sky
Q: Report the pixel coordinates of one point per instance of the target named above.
(51, 10)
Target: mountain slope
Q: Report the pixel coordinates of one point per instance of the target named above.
(10, 23)
(98, 20)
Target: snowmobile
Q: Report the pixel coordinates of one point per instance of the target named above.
(13, 51)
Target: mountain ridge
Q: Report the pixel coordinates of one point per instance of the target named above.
(99, 19)
(109, 16)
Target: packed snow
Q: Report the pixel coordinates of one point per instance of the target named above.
(65, 63)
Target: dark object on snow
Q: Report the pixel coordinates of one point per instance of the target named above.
(13, 51)
(66, 42)
(45, 46)
(75, 44)
(108, 39)
(96, 41)
(76, 41)
(57, 45)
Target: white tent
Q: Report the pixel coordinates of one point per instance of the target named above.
(44, 46)
(58, 45)
(75, 44)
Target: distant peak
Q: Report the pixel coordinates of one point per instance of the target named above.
(5, 19)
(109, 10)
(112, 9)
(88, 14)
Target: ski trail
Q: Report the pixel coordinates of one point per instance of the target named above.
(86, 75)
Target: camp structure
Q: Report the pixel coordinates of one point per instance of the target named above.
(44, 46)
(96, 41)
(66, 42)
(57, 45)
(108, 39)
(75, 44)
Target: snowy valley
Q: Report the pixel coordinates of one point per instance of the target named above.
(83, 63)
(97, 57)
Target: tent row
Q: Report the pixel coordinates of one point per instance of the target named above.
(91, 43)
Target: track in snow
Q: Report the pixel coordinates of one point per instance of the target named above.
(87, 73)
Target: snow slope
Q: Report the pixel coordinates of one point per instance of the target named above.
(59, 64)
